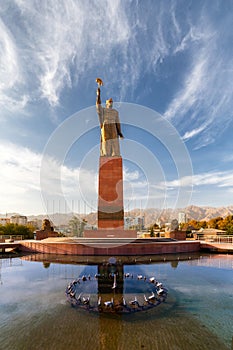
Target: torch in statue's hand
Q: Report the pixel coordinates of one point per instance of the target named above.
(100, 83)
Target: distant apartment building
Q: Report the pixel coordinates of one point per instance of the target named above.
(18, 219)
(182, 218)
(136, 223)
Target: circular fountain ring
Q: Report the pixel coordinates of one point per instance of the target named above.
(78, 295)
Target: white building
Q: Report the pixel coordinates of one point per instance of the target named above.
(136, 223)
(19, 219)
(182, 219)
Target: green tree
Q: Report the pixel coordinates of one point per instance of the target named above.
(25, 231)
(9, 229)
(17, 230)
(77, 226)
(229, 229)
(152, 234)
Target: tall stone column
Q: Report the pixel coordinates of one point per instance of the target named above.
(110, 199)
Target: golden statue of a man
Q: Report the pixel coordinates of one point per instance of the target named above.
(109, 125)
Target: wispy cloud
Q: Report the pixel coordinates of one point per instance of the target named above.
(10, 71)
(218, 179)
(51, 45)
(190, 94)
(206, 93)
(194, 132)
(20, 186)
(130, 175)
(47, 46)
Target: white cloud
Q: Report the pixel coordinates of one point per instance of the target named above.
(21, 185)
(10, 72)
(19, 169)
(204, 100)
(8, 60)
(218, 178)
(61, 41)
(49, 45)
(46, 46)
(191, 92)
(19, 179)
(130, 175)
(67, 38)
(194, 132)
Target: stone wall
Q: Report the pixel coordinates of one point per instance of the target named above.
(133, 248)
(42, 234)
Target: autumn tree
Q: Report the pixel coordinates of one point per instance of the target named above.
(215, 222)
(77, 226)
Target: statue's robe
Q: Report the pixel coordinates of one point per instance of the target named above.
(110, 131)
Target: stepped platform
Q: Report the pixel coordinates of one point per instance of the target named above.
(109, 247)
(115, 246)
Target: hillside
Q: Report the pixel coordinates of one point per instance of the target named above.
(151, 215)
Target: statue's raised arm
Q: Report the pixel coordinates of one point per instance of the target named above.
(100, 83)
(109, 124)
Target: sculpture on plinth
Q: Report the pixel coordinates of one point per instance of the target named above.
(110, 192)
(109, 124)
(46, 225)
(46, 231)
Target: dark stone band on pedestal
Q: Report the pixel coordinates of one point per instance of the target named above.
(110, 214)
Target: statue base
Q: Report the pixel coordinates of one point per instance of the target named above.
(178, 235)
(43, 234)
(110, 233)
(110, 201)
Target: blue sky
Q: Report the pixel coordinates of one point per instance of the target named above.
(167, 65)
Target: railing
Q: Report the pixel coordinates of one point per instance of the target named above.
(224, 239)
(218, 239)
(13, 237)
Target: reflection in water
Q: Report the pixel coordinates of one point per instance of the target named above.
(174, 264)
(110, 290)
(197, 314)
(46, 264)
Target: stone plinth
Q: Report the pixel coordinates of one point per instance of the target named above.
(178, 235)
(42, 234)
(110, 201)
(114, 233)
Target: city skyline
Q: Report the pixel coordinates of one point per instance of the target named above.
(168, 68)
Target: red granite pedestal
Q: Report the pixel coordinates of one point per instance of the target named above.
(110, 201)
